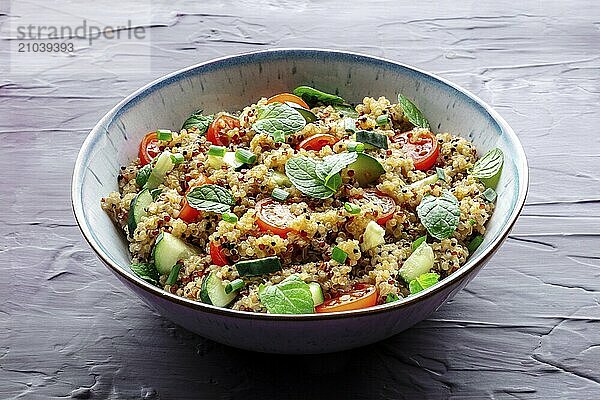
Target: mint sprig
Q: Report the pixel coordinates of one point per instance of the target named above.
(211, 197)
(439, 215)
(290, 296)
(412, 113)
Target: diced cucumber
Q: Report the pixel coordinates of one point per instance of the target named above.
(316, 293)
(374, 236)
(215, 162)
(213, 292)
(418, 263)
(281, 179)
(230, 159)
(164, 164)
(138, 209)
(366, 169)
(259, 266)
(373, 139)
(168, 250)
(430, 180)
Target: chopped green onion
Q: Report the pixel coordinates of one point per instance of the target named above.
(174, 274)
(234, 285)
(418, 242)
(391, 297)
(474, 243)
(229, 217)
(217, 151)
(352, 208)
(357, 147)
(472, 222)
(489, 194)
(349, 125)
(245, 156)
(164, 134)
(279, 137)
(280, 194)
(382, 120)
(339, 255)
(177, 158)
(441, 173)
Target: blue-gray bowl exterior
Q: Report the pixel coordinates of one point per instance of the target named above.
(230, 84)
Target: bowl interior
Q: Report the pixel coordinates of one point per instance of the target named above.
(234, 82)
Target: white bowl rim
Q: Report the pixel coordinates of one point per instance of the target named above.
(455, 277)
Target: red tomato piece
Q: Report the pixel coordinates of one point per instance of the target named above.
(422, 148)
(148, 148)
(217, 131)
(187, 212)
(362, 295)
(318, 141)
(274, 216)
(385, 202)
(217, 255)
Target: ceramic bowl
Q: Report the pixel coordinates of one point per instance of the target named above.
(231, 83)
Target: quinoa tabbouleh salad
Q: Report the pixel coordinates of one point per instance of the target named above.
(302, 203)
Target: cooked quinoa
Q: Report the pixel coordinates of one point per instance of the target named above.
(302, 231)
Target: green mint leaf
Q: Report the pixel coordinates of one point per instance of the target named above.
(313, 96)
(301, 172)
(211, 197)
(423, 282)
(439, 215)
(198, 121)
(277, 117)
(346, 110)
(143, 174)
(333, 164)
(412, 113)
(147, 272)
(334, 182)
(290, 296)
(489, 167)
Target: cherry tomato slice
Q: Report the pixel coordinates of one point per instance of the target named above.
(148, 148)
(274, 217)
(362, 295)
(217, 256)
(385, 202)
(217, 131)
(318, 141)
(422, 148)
(187, 212)
(285, 97)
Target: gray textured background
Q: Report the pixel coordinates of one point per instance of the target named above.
(527, 327)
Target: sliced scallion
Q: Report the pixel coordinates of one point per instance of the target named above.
(177, 158)
(174, 274)
(352, 208)
(280, 194)
(229, 217)
(356, 146)
(217, 151)
(382, 120)
(164, 134)
(339, 255)
(489, 194)
(391, 297)
(245, 156)
(234, 285)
